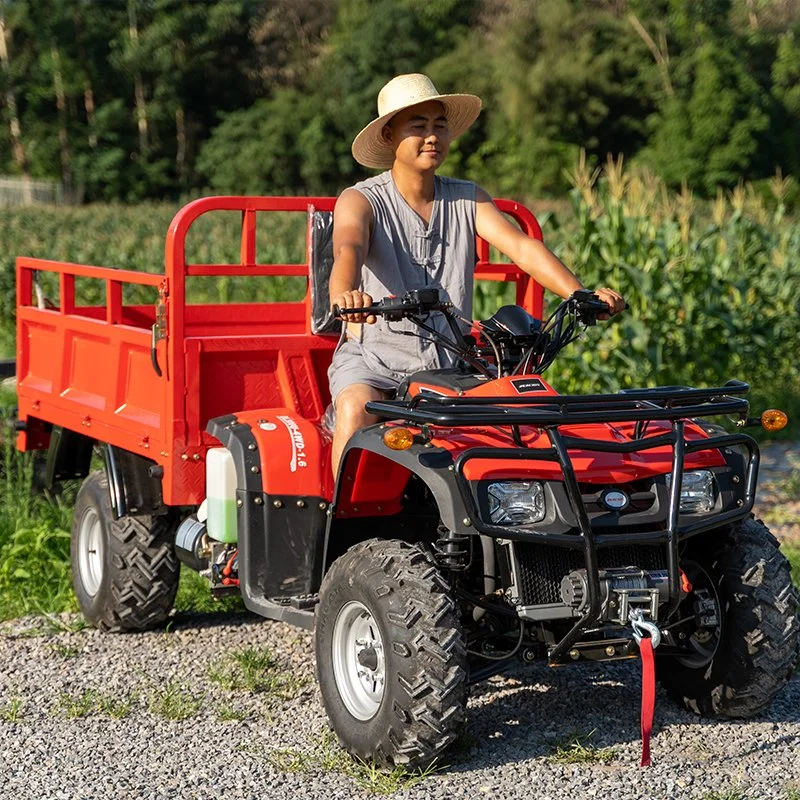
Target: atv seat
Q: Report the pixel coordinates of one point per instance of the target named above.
(452, 378)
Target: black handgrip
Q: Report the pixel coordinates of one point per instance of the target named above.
(374, 309)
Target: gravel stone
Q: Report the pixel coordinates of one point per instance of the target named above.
(513, 724)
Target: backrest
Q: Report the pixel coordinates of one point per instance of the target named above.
(320, 264)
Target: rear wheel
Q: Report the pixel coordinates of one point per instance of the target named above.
(124, 572)
(742, 625)
(390, 655)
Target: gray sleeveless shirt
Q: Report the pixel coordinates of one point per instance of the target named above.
(406, 253)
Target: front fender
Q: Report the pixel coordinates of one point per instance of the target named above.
(357, 481)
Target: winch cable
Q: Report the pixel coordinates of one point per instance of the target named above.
(648, 637)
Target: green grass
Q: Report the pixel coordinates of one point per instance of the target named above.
(34, 539)
(64, 651)
(174, 702)
(195, 595)
(255, 671)
(230, 714)
(93, 701)
(325, 755)
(13, 711)
(577, 748)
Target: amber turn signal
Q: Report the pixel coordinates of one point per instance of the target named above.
(398, 438)
(774, 420)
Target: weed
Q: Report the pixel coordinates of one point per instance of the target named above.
(576, 748)
(288, 760)
(326, 755)
(255, 671)
(229, 714)
(13, 710)
(173, 702)
(94, 701)
(64, 650)
(734, 793)
(374, 778)
(75, 706)
(115, 707)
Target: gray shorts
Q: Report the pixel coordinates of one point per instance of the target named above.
(348, 367)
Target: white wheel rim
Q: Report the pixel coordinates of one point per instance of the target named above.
(359, 666)
(90, 551)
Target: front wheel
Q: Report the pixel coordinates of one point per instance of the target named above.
(741, 624)
(391, 659)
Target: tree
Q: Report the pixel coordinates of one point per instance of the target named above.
(708, 134)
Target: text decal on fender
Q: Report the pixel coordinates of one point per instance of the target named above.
(298, 443)
(525, 385)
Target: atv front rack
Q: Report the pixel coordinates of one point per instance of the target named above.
(673, 404)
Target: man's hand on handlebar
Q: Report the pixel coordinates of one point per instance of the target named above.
(354, 299)
(614, 300)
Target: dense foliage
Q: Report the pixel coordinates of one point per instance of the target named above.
(131, 99)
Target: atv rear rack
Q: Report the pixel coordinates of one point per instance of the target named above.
(674, 404)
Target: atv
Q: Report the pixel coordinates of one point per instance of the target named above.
(487, 521)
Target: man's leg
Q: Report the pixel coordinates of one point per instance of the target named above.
(351, 416)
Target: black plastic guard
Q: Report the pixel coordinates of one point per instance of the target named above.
(280, 538)
(320, 259)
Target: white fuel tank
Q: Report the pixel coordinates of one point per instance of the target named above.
(221, 495)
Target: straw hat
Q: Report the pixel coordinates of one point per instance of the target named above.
(370, 148)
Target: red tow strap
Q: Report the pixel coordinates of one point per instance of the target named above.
(648, 695)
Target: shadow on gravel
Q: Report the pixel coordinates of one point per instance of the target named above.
(534, 708)
(182, 620)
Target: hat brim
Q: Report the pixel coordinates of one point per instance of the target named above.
(370, 148)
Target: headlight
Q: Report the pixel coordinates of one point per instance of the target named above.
(697, 491)
(516, 502)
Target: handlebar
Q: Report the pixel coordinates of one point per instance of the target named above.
(588, 306)
(417, 301)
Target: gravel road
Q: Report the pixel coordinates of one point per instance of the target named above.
(74, 738)
(174, 714)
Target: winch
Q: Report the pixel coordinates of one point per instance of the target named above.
(622, 590)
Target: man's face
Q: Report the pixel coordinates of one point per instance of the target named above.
(419, 136)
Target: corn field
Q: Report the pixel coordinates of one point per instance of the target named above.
(713, 288)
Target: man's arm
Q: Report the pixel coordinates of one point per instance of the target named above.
(352, 220)
(531, 255)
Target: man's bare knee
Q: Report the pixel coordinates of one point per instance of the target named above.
(351, 416)
(350, 411)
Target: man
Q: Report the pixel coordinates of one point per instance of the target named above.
(409, 228)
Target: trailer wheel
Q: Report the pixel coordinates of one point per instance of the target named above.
(391, 659)
(124, 572)
(739, 664)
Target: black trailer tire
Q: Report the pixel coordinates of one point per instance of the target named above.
(124, 572)
(392, 593)
(756, 649)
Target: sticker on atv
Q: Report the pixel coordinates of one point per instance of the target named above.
(526, 385)
(298, 443)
